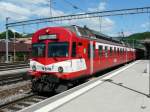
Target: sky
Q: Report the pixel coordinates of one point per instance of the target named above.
(18, 10)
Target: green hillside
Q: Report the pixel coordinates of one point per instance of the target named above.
(138, 36)
(134, 39)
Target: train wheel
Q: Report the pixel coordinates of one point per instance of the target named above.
(34, 86)
(40, 87)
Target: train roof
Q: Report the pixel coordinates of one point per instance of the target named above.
(97, 35)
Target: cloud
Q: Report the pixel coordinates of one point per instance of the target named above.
(145, 25)
(13, 11)
(101, 7)
(27, 2)
(31, 9)
(44, 12)
(22, 9)
(107, 24)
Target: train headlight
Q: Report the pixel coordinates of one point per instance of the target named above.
(60, 69)
(34, 68)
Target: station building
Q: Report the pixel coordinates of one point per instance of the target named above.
(20, 50)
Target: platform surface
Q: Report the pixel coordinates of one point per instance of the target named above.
(125, 91)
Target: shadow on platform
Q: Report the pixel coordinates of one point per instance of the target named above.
(121, 85)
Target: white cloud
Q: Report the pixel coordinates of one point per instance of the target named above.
(27, 9)
(22, 10)
(145, 25)
(25, 2)
(44, 12)
(107, 24)
(101, 7)
(13, 11)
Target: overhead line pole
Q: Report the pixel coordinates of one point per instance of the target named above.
(6, 41)
(50, 8)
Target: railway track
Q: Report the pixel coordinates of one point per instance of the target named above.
(5, 67)
(13, 78)
(19, 104)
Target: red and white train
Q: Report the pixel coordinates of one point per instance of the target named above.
(63, 55)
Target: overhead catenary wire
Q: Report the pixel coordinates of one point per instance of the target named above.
(83, 16)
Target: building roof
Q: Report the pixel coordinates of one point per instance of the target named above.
(19, 47)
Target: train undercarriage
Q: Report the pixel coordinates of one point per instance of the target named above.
(49, 84)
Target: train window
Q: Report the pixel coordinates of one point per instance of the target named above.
(58, 49)
(38, 50)
(118, 51)
(106, 53)
(115, 50)
(111, 51)
(74, 49)
(100, 50)
(123, 50)
(80, 44)
(106, 48)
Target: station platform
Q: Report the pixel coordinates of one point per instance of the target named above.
(123, 90)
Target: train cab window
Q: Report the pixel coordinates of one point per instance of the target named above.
(58, 49)
(100, 50)
(74, 49)
(38, 50)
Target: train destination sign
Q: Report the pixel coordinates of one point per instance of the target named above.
(44, 37)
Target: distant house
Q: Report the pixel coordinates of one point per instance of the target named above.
(22, 51)
(24, 40)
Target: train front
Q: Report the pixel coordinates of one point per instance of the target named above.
(51, 49)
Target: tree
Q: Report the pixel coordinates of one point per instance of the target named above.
(10, 35)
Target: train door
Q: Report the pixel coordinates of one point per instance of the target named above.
(91, 48)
